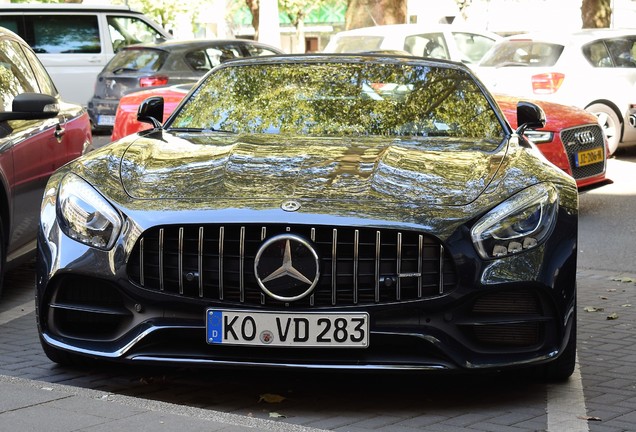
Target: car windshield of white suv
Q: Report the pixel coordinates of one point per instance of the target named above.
(343, 99)
(523, 52)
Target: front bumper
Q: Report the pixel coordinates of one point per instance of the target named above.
(512, 312)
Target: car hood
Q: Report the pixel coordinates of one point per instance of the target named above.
(218, 165)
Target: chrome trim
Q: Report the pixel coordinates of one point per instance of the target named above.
(180, 260)
(334, 265)
(200, 260)
(420, 253)
(161, 259)
(378, 248)
(441, 269)
(221, 241)
(242, 264)
(356, 263)
(398, 266)
(141, 262)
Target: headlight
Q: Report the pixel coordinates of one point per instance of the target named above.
(539, 137)
(85, 215)
(520, 223)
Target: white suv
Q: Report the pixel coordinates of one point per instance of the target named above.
(443, 41)
(74, 41)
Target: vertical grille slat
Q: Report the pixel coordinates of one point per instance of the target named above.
(358, 265)
(334, 265)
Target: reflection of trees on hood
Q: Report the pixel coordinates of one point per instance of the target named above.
(341, 100)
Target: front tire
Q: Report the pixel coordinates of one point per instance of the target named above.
(609, 121)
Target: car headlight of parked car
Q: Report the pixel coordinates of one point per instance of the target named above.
(85, 215)
(520, 223)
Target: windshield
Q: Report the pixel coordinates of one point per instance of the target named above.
(342, 99)
(523, 52)
(137, 59)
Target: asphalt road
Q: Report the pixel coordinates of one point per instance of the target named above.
(607, 220)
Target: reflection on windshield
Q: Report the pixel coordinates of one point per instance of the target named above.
(342, 99)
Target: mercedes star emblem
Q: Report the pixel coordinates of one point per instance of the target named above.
(287, 267)
(290, 205)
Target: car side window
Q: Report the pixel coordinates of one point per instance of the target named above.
(16, 75)
(67, 34)
(623, 51)
(222, 54)
(44, 80)
(472, 46)
(597, 54)
(256, 51)
(125, 30)
(427, 45)
(198, 60)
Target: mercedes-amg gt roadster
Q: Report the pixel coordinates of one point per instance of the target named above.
(369, 212)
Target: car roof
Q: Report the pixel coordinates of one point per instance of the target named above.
(578, 37)
(52, 7)
(408, 29)
(173, 44)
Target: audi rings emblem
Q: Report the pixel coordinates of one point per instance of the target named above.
(290, 205)
(584, 137)
(287, 267)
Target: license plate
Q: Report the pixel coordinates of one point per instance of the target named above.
(106, 120)
(588, 157)
(231, 327)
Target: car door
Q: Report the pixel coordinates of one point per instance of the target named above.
(28, 148)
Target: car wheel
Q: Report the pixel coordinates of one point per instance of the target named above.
(610, 123)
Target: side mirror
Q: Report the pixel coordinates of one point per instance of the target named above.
(151, 111)
(529, 116)
(32, 106)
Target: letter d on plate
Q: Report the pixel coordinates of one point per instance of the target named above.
(214, 326)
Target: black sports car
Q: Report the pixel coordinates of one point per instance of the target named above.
(349, 212)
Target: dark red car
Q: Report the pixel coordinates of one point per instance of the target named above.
(571, 139)
(38, 134)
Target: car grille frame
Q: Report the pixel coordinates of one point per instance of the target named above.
(573, 145)
(215, 263)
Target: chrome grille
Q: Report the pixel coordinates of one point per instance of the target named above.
(573, 146)
(358, 265)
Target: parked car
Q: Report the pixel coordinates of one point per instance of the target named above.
(345, 212)
(38, 134)
(571, 139)
(75, 41)
(443, 41)
(160, 64)
(590, 69)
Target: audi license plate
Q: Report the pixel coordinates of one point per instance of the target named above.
(231, 327)
(588, 157)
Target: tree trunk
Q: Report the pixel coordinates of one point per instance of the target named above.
(365, 13)
(596, 13)
(254, 9)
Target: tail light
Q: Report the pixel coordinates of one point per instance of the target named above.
(547, 83)
(153, 81)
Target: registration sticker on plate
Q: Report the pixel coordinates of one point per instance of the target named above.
(588, 157)
(232, 327)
